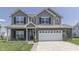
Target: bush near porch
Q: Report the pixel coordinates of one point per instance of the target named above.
(14, 46)
(74, 40)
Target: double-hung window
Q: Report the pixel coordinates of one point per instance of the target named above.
(19, 34)
(19, 20)
(45, 20)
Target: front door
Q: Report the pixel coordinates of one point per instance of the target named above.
(31, 34)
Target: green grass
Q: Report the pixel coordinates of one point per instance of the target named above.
(74, 40)
(15, 46)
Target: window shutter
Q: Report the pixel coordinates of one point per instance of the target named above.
(24, 20)
(25, 34)
(14, 20)
(49, 20)
(14, 34)
(59, 21)
(40, 20)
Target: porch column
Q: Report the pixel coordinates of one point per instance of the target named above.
(35, 34)
(26, 34)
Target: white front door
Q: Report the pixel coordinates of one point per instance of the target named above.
(50, 35)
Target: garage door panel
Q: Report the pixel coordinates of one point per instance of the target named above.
(49, 35)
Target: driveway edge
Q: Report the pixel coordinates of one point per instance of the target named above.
(34, 47)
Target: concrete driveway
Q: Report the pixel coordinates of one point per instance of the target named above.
(55, 46)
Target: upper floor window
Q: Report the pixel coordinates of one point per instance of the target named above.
(19, 20)
(45, 20)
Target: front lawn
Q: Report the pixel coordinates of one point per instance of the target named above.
(74, 40)
(14, 46)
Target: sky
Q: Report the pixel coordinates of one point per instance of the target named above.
(70, 14)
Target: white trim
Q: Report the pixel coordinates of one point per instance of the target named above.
(45, 19)
(30, 23)
(26, 34)
(20, 33)
(44, 16)
(19, 19)
(47, 35)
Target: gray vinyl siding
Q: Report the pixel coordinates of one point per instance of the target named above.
(13, 22)
(33, 20)
(45, 13)
(18, 14)
(36, 18)
(13, 34)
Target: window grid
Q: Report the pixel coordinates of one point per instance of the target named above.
(45, 20)
(19, 20)
(19, 34)
(50, 31)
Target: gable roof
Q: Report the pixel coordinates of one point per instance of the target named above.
(33, 25)
(18, 10)
(50, 11)
(53, 11)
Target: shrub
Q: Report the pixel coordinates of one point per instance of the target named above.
(34, 39)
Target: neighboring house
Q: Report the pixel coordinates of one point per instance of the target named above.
(75, 31)
(44, 26)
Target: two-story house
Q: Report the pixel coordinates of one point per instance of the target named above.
(44, 26)
(75, 30)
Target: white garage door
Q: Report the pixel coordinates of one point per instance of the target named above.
(48, 35)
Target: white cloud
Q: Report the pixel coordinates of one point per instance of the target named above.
(2, 20)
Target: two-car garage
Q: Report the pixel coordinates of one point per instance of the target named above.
(50, 35)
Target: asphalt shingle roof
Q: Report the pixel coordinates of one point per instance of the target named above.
(41, 26)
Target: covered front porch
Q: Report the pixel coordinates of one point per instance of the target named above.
(23, 33)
